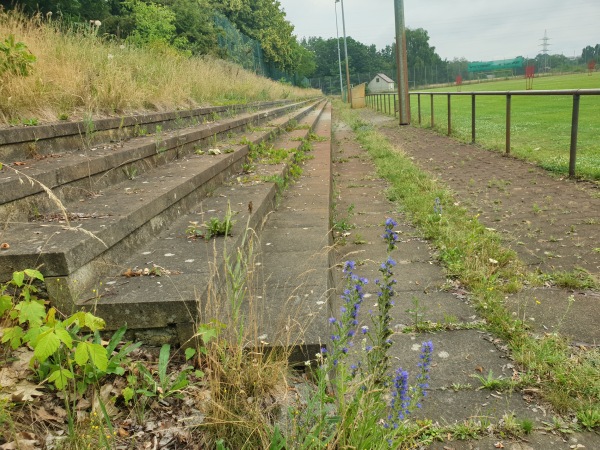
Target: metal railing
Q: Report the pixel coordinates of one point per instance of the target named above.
(385, 103)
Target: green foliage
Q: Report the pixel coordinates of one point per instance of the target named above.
(489, 382)
(194, 26)
(61, 353)
(343, 224)
(15, 57)
(265, 21)
(158, 383)
(30, 122)
(213, 228)
(154, 23)
(589, 418)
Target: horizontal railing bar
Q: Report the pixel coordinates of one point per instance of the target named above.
(540, 92)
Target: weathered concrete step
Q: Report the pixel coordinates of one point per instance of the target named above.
(124, 217)
(297, 259)
(21, 143)
(168, 306)
(76, 175)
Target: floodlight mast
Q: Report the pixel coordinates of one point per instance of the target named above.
(401, 63)
(339, 53)
(346, 55)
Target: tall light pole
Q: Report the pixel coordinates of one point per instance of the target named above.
(403, 98)
(339, 53)
(346, 54)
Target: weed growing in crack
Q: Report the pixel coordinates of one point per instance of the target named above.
(159, 142)
(214, 227)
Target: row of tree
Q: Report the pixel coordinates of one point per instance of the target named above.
(425, 66)
(189, 26)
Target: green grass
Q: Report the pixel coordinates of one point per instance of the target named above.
(541, 126)
(566, 377)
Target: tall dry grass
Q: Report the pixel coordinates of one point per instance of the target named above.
(78, 73)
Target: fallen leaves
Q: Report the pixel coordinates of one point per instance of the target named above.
(13, 379)
(23, 441)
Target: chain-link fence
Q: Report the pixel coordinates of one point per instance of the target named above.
(248, 53)
(420, 77)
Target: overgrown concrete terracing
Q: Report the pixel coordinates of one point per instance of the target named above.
(164, 288)
(89, 166)
(108, 225)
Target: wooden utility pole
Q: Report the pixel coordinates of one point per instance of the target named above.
(402, 75)
(346, 54)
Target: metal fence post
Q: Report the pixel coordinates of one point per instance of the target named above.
(472, 118)
(449, 116)
(508, 102)
(432, 120)
(419, 105)
(574, 130)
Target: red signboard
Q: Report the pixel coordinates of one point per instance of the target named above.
(529, 74)
(529, 71)
(459, 82)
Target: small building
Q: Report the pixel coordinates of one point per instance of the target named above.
(381, 83)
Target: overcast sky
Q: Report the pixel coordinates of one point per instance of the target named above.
(478, 30)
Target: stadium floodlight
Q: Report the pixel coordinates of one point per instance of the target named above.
(339, 52)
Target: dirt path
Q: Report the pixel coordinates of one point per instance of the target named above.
(552, 223)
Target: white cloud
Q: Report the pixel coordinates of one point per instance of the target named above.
(474, 29)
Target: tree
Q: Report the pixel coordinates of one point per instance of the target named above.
(265, 21)
(194, 25)
(154, 24)
(590, 53)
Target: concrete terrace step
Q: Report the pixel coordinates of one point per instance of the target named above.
(17, 144)
(168, 307)
(125, 216)
(76, 174)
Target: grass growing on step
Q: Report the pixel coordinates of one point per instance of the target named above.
(568, 377)
(213, 228)
(104, 77)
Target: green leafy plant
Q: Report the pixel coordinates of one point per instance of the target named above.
(342, 224)
(30, 122)
(489, 382)
(15, 57)
(214, 227)
(417, 312)
(589, 418)
(61, 353)
(159, 142)
(158, 383)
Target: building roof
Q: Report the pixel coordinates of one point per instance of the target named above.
(385, 78)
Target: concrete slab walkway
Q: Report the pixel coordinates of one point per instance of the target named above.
(423, 294)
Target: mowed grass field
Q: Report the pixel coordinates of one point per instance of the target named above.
(540, 125)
